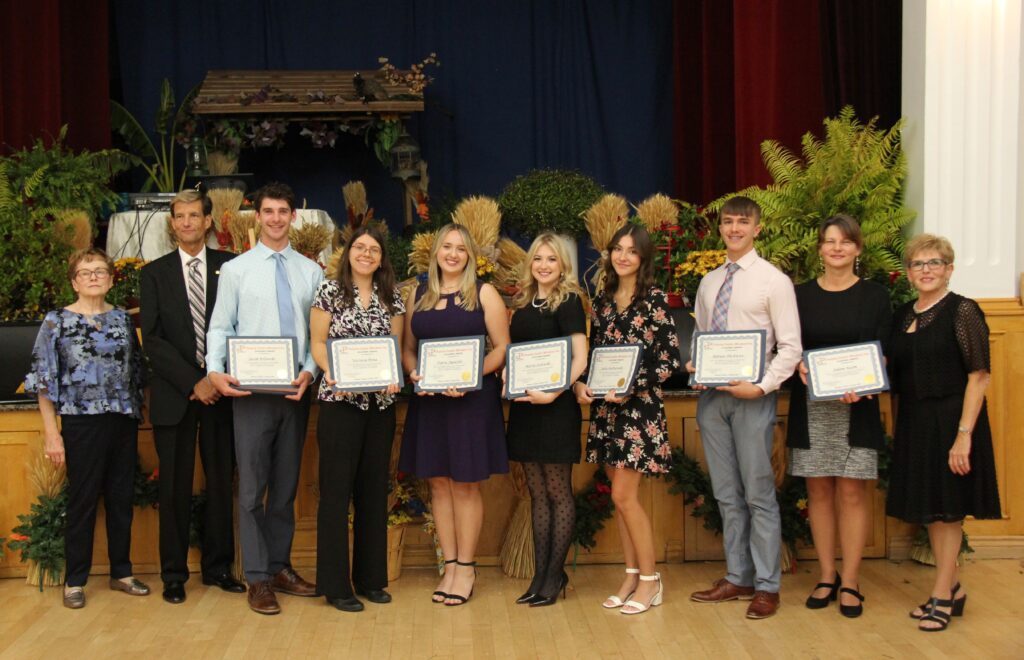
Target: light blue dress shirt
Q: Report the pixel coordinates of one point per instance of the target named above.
(247, 302)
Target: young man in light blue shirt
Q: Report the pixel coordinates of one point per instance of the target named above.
(267, 291)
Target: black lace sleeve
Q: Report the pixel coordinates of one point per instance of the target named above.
(972, 335)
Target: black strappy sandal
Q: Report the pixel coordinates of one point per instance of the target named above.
(813, 603)
(442, 594)
(462, 600)
(852, 611)
(958, 604)
(934, 614)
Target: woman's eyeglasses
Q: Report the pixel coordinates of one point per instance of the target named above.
(931, 264)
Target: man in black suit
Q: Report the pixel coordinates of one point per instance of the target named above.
(178, 291)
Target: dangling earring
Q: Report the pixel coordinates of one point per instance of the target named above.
(856, 265)
(821, 265)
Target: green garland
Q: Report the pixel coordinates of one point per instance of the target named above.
(594, 507)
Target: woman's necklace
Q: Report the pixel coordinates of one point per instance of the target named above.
(922, 311)
(543, 302)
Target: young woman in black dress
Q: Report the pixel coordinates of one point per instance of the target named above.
(544, 427)
(628, 433)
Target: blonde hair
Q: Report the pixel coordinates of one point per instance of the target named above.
(528, 284)
(467, 283)
(924, 242)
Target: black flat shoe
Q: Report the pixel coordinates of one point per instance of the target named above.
(813, 603)
(225, 582)
(174, 592)
(350, 604)
(527, 598)
(852, 611)
(378, 596)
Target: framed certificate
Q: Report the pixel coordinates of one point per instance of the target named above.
(832, 372)
(364, 364)
(721, 357)
(614, 368)
(538, 365)
(263, 364)
(456, 362)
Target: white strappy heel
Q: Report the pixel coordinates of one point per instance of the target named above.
(638, 607)
(613, 602)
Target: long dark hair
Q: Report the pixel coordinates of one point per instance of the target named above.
(383, 277)
(644, 275)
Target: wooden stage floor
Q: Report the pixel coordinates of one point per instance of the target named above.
(214, 624)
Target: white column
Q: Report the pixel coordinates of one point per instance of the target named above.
(962, 67)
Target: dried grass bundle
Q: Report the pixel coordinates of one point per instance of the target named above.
(509, 266)
(224, 199)
(334, 263)
(244, 229)
(309, 239)
(419, 253)
(47, 479)
(517, 546)
(604, 218)
(482, 217)
(657, 211)
(80, 234)
(354, 193)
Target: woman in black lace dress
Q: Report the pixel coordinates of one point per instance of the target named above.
(943, 468)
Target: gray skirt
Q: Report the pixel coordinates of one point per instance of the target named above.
(830, 455)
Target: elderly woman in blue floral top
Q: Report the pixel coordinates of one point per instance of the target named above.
(628, 434)
(87, 368)
(355, 430)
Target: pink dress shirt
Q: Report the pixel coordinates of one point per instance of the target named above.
(762, 299)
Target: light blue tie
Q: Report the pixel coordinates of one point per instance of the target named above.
(285, 312)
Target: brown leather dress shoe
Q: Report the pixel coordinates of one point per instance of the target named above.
(262, 599)
(288, 582)
(764, 605)
(721, 591)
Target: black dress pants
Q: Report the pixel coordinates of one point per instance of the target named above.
(355, 449)
(176, 448)
(101, 453)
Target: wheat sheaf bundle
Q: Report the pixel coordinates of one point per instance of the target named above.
(354, 193)
(244, 229)
(508, 270)
(309, 239)
(48, 479)
(419, 253)
(657, 211)
(482, 218)
(224, 199)
(603, 219)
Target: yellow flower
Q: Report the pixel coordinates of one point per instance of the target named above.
(801, 503)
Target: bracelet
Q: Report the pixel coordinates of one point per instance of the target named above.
(963, 429)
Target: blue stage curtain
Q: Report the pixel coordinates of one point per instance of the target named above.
(542, 83)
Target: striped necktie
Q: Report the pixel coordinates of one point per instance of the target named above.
(197, 305)
(720, 317)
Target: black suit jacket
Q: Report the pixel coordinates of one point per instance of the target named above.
(168, 338)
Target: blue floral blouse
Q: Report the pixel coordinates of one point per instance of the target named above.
(88, 366)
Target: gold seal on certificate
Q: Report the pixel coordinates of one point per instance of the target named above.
(834, 371)
(456, 362)
(263, 364)
(722, 357)
(613, 368)
(537, 365)
(364, 364)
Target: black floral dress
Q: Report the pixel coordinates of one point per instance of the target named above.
(633, 434)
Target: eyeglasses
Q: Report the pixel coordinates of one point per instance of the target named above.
(845, 243)
(98, 273)
(373, 250)
(931, 264)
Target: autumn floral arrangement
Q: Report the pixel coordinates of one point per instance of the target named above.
(125, 290)
(414, 78)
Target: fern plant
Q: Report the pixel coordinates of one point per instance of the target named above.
(857, 169)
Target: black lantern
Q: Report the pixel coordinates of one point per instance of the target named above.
(405, 157)
(195, 157)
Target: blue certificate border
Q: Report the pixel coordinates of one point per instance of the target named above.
(882, 378)
(271, 384)
(698, 354)
(478, 346)
(638, 352)
(368, 385)
(565, 342)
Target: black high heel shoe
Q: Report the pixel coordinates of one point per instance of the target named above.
(813, 603)
(458, 598)
(443, 595)
(852, 611)
(936, 615)
(958, 604)
(544, 601)
(527, 598)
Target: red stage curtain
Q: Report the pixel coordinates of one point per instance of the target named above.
(54, 70)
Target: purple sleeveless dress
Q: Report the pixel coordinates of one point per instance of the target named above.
(462, 438)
